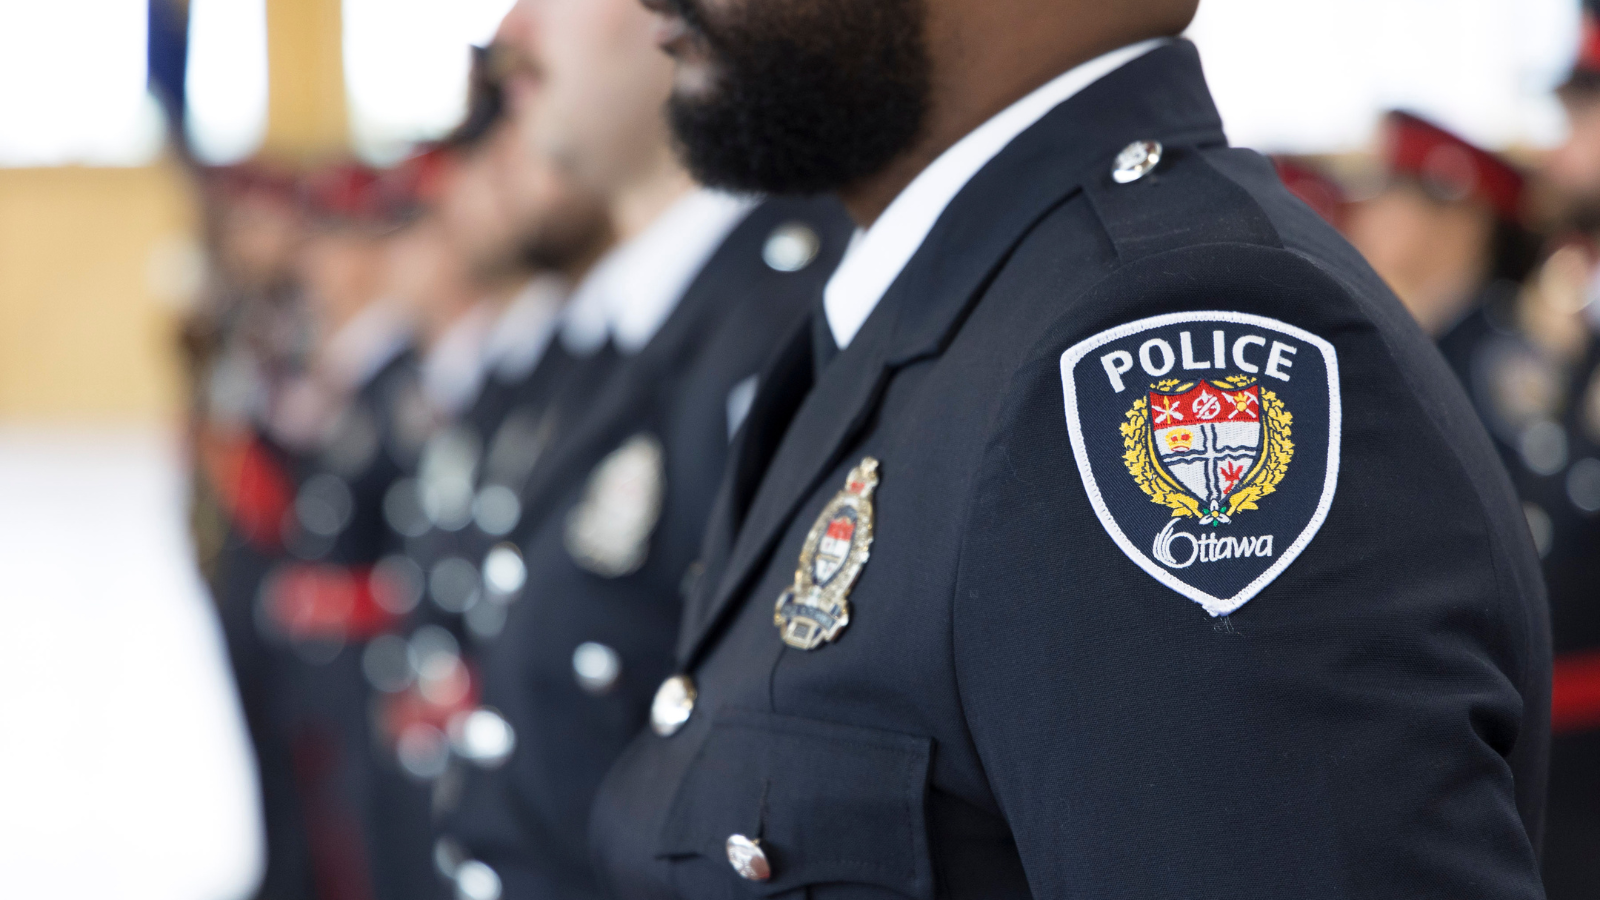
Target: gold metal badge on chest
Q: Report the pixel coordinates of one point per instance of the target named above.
(817, 607)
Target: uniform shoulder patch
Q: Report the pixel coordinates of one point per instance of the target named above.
(1208, 443)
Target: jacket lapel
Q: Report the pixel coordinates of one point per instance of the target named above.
(616, 410)
(782, 386)
(1161, 95)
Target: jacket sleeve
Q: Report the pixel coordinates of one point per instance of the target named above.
(1357, 728)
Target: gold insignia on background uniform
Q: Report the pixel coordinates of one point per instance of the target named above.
(608, 532)
(817, 608)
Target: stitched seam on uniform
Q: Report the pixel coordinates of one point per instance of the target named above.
(1261, 214)
(996, 418)
(1489, 537)
(992, 429)
(913, 745)
(910, 818)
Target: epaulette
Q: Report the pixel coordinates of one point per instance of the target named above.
(1171, 198)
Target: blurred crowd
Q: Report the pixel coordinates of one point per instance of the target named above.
(387, 361)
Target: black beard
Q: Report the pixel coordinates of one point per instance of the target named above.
(566, 240)
(807, 97)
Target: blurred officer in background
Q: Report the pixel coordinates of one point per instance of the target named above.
(1446, 231)
(345, 421)
(1115, 534)
(508, 231)
(691, 300)
(1543, 393)
(1315, 187)
(249, 330)
(247, 339)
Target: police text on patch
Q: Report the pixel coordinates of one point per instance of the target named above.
(1157, 359)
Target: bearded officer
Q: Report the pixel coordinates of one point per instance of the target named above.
(1131, 539)
(698, 290)
(504, 212)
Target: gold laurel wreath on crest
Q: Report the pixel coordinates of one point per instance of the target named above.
(1139, 454)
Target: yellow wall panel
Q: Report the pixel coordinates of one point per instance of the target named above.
(83, 335)
(306, 115)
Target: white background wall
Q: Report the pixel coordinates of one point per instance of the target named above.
(1301, 75)
(126, 773)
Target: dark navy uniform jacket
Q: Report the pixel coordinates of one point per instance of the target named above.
(506, 430)
(661, 423)
(297, 610)
(1019, 706)
(256, 497)
(352, 812)
(1550, 443)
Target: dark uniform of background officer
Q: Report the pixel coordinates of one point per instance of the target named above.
(953, 634)
(246, 339)
(691, 301)
(302, 487)
(1554, 394)
(1446, 232)
(520, 232)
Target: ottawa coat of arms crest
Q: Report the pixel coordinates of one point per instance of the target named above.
(1208, 449)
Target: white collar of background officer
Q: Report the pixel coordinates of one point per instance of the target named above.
(453, 367)
(634, 288)
(362, 346)
(877, 255)
(524, 329)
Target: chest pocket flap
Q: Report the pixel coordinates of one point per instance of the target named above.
(830, 803)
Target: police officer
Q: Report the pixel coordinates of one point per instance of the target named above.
(488, 383)
(1446, 231)
(1307, 179)
(322, 601)
(245, 340)
(1558, 381)
(699, 288)
(1117, 533)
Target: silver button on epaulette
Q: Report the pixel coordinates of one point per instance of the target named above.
(673, 703)
(1136, 161)
(748, 859)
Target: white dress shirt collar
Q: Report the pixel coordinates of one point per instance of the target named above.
(453, 368)
(364, 345)
(877, 255)
(637, 285)
(525, 328)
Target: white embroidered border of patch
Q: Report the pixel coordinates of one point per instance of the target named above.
(1216, 606)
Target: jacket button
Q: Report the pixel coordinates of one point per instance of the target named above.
(791, 247)
(596, 667)
(748, 859)
(1135, 161)
(673, 703)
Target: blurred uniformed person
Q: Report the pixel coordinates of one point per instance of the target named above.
(322, 600)
(246, 340)
(1550, 387)
(1114, 533)
(691, 301)
(1315, 187)
(1446, 231)
(501, 240)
